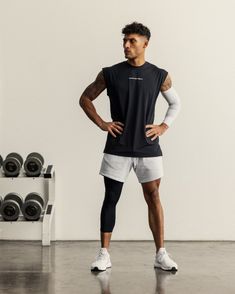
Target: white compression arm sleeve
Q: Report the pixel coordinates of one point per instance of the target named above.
(174, 103)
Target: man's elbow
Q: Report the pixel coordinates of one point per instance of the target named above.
(82, 101)
(176, 104)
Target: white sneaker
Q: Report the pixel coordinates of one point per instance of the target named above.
(163, 261)
(102, 260)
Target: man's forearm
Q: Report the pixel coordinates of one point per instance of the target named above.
(90, 110)
(174, 105)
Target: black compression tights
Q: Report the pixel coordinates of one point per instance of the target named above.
(113, 191)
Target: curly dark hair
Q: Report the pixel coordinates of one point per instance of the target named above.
(136, 28)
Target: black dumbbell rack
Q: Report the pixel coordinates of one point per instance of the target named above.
(21, 229)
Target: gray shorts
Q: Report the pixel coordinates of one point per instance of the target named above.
(118, 167)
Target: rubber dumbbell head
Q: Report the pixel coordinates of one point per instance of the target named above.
(33, 206)
(12, 164)
(11, 206)
(1, 160)
(33, 164)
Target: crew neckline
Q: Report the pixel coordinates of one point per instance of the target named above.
(136, 67)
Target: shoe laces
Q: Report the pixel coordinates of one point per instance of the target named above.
(101, 255)
(166, 253)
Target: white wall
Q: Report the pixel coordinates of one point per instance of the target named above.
(51, 50)
(1, 97)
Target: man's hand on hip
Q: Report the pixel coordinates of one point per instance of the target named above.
(112, 126)
(156, 130)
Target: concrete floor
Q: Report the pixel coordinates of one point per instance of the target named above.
(64, 267)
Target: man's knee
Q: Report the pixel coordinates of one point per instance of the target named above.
(154, 193)
(113, 191)
(151, 187)
(151, 194)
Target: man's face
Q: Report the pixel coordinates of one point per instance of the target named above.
(134, 45)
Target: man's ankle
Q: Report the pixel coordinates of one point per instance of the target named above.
(104, 249)
(160, 249)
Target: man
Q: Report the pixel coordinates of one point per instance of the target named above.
(132, 140)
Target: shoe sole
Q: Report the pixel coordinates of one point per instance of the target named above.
(100, 269)
(166, 269)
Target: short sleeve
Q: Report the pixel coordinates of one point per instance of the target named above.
(105, 71)
(164, 74)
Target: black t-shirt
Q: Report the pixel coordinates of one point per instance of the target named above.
(133, 91)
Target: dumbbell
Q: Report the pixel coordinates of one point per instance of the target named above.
(33, 164)
(32, 207)
(1, 160)
(12, 164)
(11, 206)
